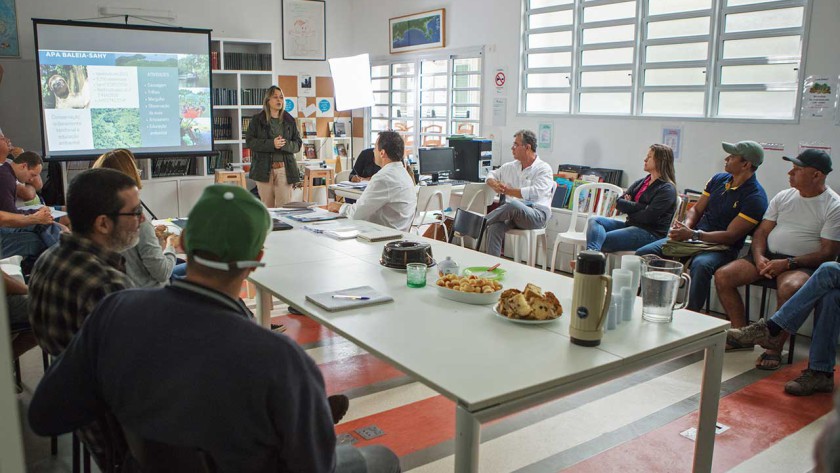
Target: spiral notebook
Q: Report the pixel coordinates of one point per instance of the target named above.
(326, 301)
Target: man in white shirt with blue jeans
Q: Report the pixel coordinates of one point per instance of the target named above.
(528, 185)
(390, 199)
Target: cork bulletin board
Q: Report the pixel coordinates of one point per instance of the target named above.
(321, 107)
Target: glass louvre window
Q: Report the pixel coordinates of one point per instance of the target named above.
(659, 57)
(427, 99)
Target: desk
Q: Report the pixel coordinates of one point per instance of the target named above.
(469, 355)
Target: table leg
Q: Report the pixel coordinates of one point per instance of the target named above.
(264, 306)
(709, 400)
(467, 437)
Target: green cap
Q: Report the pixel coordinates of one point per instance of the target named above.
(749, 150)
(229, 223)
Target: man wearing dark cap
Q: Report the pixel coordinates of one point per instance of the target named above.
(732, 204)
(800, 231)
(185, 365)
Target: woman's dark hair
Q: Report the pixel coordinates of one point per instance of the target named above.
(392, 143)
(93, 193)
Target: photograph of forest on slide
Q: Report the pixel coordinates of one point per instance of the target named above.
(115, 127)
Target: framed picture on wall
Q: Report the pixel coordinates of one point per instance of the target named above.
(426, 30)
(9, 46)
(304, 30)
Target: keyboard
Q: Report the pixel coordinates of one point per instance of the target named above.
(454, 182)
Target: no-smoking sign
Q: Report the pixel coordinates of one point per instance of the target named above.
(499, 79)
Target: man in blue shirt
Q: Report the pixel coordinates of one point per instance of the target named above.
(732, 204)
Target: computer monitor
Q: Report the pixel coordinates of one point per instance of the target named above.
(436, 161)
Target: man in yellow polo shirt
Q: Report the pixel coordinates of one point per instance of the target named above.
(732, 204)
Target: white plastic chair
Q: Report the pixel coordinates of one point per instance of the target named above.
(602, 206)
(619, 254)
(532, 238)
(343, 176)
(430, 199)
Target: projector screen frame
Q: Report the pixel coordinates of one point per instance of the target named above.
(121, 26)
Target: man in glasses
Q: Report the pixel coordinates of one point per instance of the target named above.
(187, 365)
(72, 277)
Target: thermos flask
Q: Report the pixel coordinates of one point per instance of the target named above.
(590, 299)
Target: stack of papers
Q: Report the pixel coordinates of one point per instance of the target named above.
(348, 298)
(55, 213)
(353, 185)
(313, 217)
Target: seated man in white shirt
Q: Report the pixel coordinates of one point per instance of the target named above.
(390, 199)
(528, 184)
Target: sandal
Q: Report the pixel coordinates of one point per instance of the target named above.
(734, 345)
(768, 357)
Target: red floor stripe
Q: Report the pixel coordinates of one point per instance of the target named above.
(356, 371)
(302, 329)
(759, 416)
(409, 428)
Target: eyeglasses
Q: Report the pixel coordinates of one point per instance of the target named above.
(136, 213)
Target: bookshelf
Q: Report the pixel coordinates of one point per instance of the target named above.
(242, 71)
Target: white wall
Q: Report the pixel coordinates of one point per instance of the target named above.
(610, 142)
(253, 19)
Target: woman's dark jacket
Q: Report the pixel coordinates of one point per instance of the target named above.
(655, 208)
(259, 140)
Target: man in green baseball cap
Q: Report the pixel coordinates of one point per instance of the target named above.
(225, 231)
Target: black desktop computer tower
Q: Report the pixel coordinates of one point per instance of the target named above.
(473, 159)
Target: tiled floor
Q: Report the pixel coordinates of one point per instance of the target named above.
(631, 424)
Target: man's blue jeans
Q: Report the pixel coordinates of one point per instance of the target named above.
(609, 235)
(821, 292)
(701, 270)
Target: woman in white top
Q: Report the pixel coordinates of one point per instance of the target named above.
(150, 262)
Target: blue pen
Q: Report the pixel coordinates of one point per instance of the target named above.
(352, 298)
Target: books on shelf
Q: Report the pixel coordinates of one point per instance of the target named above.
(246, 122)
(222, 128)
(224, 96)
(214, 60)
(170, 167)
(253, 95)
(339, 129)
(307, 127)
(310, 151)
(340, 150)
(224, 158)
(247, 61)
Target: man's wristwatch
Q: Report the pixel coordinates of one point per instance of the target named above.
(695, 235)
(792, 264)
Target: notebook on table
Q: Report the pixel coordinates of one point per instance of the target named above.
(379, 235)
(326, 300)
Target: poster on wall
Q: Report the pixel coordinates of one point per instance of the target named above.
(426, 30)
(672, 136)
(499, 81)
(818, 98)
(544, 136)
(304, 30)
(9, 46)
(499, 111)
(306, 88)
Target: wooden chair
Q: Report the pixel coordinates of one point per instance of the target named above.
(466, 129)
(236, 178)
(432, 140)
(309, 180)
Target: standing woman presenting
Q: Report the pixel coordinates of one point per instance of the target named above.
(273, 138)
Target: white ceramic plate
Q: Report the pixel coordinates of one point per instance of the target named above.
(523, 321)
(469, 297)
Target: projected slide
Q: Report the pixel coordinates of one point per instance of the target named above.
(105, 100)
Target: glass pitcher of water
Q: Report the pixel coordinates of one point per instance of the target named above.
(662, 282)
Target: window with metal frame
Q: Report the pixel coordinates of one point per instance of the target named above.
(671, 58)
(427, 99)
